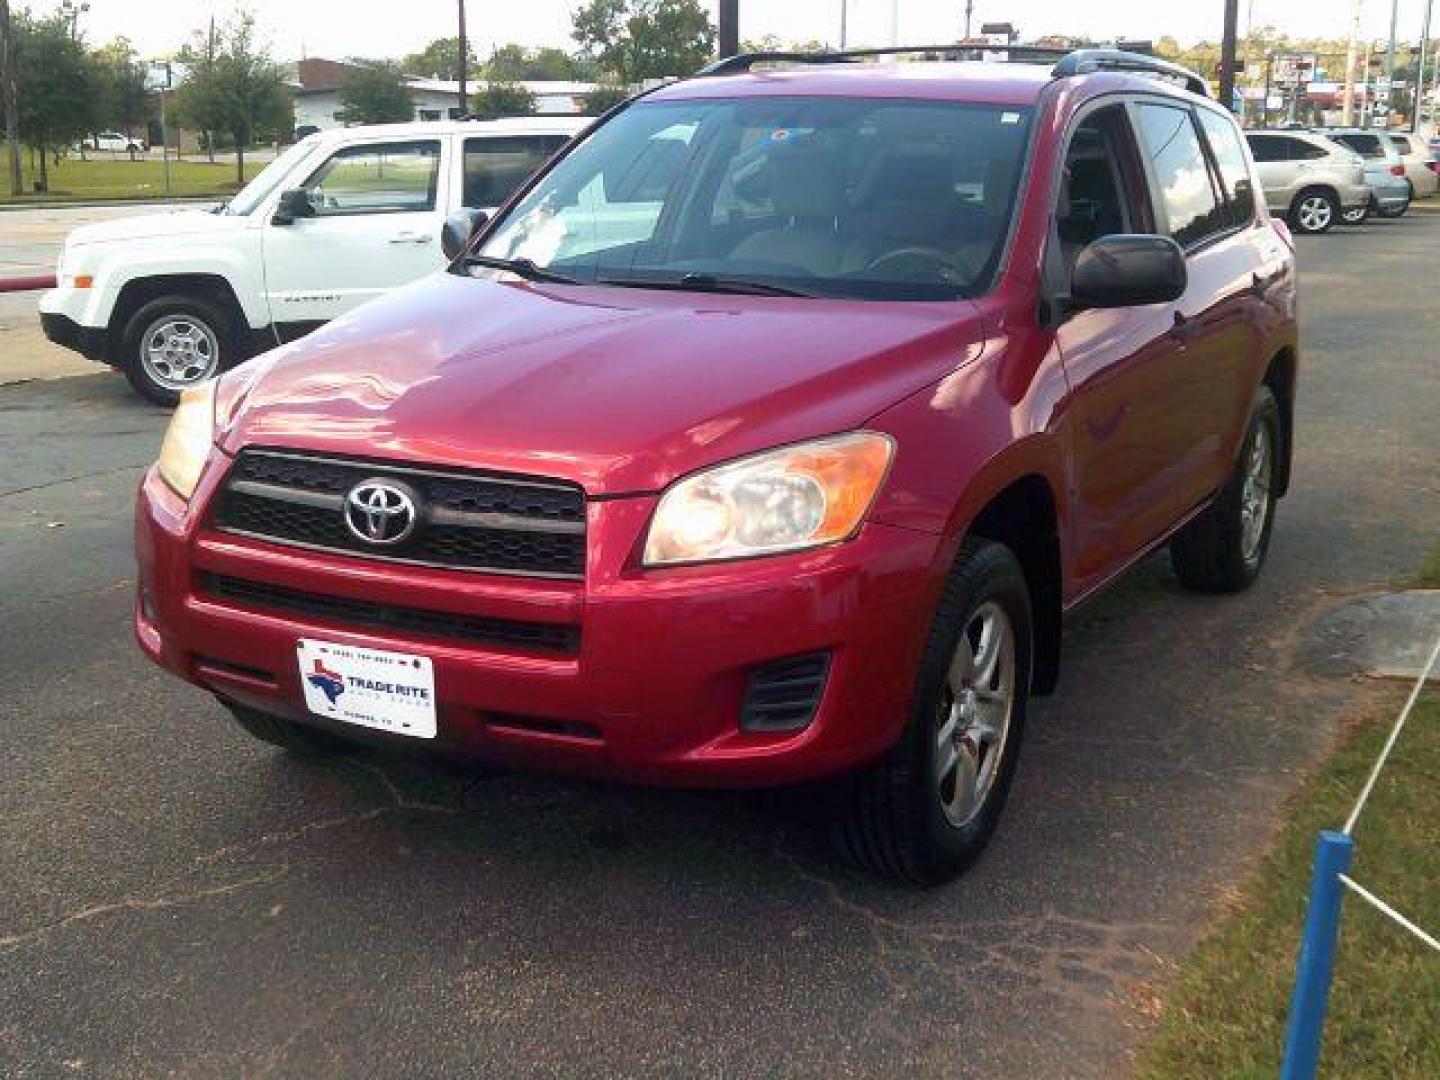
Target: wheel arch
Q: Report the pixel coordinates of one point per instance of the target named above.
(138, 292)
(1280, 377)
(1024, 517)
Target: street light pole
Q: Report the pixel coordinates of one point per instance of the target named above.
(1227, 55)
(729, 27)
(1348, 100)
(1418, 93)
(1390, 63)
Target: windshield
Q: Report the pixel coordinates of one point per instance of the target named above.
(865, 198)
(268, 178)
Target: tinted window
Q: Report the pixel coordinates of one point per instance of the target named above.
(864, 198)
(495, 167)
(1365, 145)
(1402, 144)
(377, 178)
(1268, 147)
(1300, 150)
(1181, 172)
(1224, 140)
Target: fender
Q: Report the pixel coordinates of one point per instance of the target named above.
(132, 261)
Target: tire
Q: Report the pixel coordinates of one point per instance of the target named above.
(904, 817)
(293, 738)
(1221, 551)
(1314, 211)
(178, 323)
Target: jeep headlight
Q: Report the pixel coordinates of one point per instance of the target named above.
(786, 499)
(188, 439)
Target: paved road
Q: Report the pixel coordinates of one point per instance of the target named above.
(180, 900)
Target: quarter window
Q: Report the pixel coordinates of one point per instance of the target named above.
(1224, 141)
(1192, 209)
(379, 178)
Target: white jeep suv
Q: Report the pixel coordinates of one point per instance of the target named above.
(338, 218)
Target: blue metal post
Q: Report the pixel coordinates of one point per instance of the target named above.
(1333, 852)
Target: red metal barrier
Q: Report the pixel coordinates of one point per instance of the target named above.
(27, 284)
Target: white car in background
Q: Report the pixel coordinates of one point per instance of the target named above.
(338, 218)
(1420, 164)
(117, 142)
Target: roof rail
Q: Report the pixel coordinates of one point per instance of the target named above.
(1084, 61)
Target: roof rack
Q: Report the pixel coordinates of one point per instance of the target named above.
(1070, 62)
(1084, 61)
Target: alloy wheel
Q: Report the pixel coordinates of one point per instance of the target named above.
(179, 351)
(1315, 213)
(975, 712)
(1255, 495)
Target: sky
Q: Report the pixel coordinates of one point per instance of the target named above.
(371, 28)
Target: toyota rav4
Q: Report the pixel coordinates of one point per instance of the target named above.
(765, 436)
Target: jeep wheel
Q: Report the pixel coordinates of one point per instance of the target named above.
(926, 810)
(176, 342)
(1314, 212)
(290, 737)
(1223, 549)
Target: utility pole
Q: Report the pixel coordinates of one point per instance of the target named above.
(729, 27)
(844, 18)
(1390, 62)
(1227, 55)
(1348, 100)
(1417, 94)
(464, 55)
(969, 11)
(9, 90)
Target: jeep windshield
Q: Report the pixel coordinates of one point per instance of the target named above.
(872, 198)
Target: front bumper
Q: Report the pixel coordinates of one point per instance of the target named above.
(654, 690)
(88, 341)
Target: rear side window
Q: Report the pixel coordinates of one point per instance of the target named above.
(1224, 140)
(495, 167)
(1182, 175)
(1268, 147)
(1300, 150)
(1367, 146)
(1402, 144)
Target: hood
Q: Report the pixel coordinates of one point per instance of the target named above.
(620, 390)
(155, 226)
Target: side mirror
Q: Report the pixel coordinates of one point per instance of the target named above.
(1128, 270)
(294, 203)
(459, 229)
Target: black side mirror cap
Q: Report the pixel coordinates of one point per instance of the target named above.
(459, 229)
(294, 203)
(1128, 270)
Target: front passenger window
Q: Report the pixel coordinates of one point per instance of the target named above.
(1093, 191)
(379, 178)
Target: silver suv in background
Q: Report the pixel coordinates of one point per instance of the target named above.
(1308, 179)
(1384, 172)
(1420, 164)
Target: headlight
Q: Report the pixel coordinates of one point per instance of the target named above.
(782, 500)
(187, 439)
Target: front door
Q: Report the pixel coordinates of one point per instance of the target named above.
(376, 213)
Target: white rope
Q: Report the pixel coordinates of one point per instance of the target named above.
(1386, 909)
(1390, 742)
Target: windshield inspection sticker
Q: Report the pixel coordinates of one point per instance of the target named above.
(1009, 118)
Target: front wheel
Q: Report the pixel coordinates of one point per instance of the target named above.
(927, 809)
(1314, 212)
(1223, 549)
(175, 342)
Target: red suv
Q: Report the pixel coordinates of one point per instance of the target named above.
(766, 435)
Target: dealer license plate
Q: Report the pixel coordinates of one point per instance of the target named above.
(390, 691)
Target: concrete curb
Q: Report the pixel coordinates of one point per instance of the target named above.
(147, 200)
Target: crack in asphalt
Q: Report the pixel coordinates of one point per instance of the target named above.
(72, 479)
(94, 911)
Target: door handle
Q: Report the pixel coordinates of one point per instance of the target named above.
(411, 238)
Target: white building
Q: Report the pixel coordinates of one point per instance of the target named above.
(317, 96)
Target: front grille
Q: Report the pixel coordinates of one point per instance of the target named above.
(784, 694)
(367, 614)
(466, 521)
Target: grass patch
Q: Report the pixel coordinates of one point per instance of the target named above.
(1225, 1015)
(1430, 571)
(104, 177)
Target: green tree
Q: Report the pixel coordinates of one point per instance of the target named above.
(634, 40)
(119, 86)
(606, 95)
(515, 63)
(374, 93)
(53, 77)
(440, 60)
(502, 98)
(236, 88)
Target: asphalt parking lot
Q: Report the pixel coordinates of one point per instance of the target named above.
(181, 901)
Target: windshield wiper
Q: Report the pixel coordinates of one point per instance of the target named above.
(707, 283)
(525, 268)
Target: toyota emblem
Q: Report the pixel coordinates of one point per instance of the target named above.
(380, 512)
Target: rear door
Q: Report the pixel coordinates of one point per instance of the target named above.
(377, 208)
(1277, 172)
